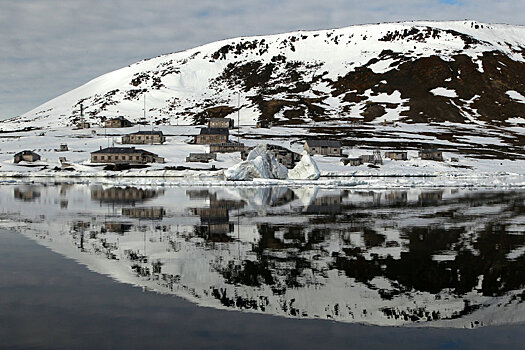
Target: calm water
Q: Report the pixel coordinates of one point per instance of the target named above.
(328, 260)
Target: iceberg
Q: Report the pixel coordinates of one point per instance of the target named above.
(306, 169)
(260, 163)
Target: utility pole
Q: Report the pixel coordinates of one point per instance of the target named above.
(239, 118)
(151, 136)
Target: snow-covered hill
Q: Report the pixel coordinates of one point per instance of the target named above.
(463, 72)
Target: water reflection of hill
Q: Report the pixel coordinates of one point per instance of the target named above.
(451, 257)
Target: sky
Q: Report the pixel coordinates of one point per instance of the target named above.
(49, 47)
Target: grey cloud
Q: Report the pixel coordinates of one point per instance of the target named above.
(48, 47)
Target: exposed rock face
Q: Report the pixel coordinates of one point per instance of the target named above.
(259, 164)
(306, 169)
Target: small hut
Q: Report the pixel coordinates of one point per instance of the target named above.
(119, 122)
(227, 123)
(396, 155)
(431, 154)
(351, 161)
(26, 156)
(212, 135)
(323, 147)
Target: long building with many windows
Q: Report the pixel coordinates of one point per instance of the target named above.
(124, 155)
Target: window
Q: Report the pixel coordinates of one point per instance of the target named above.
(137, 158)
(102, 158)
(94, 157)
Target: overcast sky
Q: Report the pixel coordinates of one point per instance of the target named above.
(48, 47)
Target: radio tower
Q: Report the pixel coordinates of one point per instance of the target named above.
(377, 157)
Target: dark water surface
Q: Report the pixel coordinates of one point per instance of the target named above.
(48, 301)
(445, 258)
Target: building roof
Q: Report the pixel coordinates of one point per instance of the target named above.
(214, 131)
(147, 132)
(220, 119)
(117, 118)
(429, 150)
(323, 143)
(120, 150)
(26, 153)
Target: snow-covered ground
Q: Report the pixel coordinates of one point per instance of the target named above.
(468, 171)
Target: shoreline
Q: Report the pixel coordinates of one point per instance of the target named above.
(356, 181)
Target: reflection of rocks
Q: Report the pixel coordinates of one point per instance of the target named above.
(123, 195)
(26, 193)
(144, 213)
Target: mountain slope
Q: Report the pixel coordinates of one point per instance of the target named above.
(415, 72)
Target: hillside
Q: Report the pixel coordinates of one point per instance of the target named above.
(465, 79)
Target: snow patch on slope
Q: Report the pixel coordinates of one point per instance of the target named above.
(441, 91)
(516, 96)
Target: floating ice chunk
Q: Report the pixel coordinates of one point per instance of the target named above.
(260, 163)
(306, 169)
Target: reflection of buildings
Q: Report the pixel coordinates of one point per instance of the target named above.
(116, 227)
(215, 220)
(126, 195)
(432, 197)
(396, 197)
(144, 213)
(325, 204)
(26, 194)
(198, 194)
